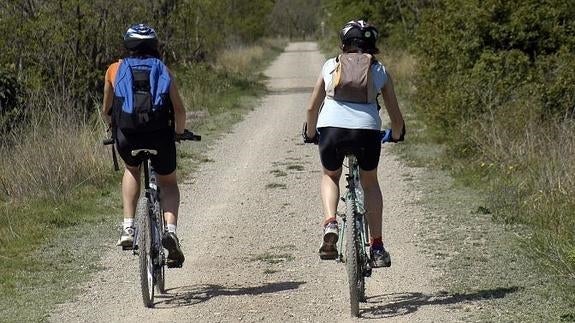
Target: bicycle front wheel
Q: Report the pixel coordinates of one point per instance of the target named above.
(354, 274)
(145, 250)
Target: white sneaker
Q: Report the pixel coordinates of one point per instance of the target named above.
(328, 249)
(126, 240)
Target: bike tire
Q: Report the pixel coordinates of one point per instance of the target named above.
(161, 280)
(145, 252)
(363, 259)
(354, 274)
(160, 266)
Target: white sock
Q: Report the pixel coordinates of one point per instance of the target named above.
(128, 223)
(171, 228)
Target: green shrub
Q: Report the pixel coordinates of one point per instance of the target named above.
(557, 86)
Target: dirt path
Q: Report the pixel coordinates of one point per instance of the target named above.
(250, 228)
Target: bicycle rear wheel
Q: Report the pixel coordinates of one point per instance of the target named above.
(160, 265)
(355, 277)
(362, 261)
(145, 250)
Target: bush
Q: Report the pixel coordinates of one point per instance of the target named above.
(557, 86)
(496, 79)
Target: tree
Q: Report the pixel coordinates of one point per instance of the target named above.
(295, 18)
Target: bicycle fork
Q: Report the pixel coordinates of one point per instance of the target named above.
(362, 231)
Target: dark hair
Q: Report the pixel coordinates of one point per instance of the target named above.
(144, 52)
(358, 46)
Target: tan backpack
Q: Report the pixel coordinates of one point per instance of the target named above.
(352, 80)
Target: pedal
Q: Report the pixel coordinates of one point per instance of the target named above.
(367, 272)
(174, 265)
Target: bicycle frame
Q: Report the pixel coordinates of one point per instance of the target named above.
(152, 194)
(360, 219)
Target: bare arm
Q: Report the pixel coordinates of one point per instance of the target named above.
(392, 107)
(179, 109)
(107, 102)
(315, 102)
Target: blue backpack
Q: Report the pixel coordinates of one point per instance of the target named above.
(141, 96)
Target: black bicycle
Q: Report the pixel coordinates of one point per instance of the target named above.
(150, 225)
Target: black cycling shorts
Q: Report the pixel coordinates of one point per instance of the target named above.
(164, 163)
(335, 143)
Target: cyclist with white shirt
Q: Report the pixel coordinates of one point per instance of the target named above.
(342, 125)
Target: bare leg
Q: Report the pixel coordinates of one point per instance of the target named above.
(330, 198)
(330, 192)
(373, 201)
(169, 197)
(130, 190)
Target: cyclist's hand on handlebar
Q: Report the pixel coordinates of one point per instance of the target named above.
(306, 138)
(387, 135)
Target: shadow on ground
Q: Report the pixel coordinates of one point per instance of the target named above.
(398, 304)
(190, 295)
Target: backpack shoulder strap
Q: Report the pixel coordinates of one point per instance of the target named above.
(124, 71)
(336, 66)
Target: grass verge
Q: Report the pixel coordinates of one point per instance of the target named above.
(492, 264)
(59, 249)
(52, 241)
(478, 255)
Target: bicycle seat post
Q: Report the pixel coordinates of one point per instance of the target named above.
(145, 155)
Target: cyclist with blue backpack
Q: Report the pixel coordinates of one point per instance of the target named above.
(144, 109)
(343, 114)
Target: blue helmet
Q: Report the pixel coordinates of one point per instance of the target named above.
(140, 37)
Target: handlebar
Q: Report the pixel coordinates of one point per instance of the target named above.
(186, 135)
(384, 136)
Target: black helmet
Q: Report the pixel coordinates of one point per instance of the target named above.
(140, 37)
(360, 34)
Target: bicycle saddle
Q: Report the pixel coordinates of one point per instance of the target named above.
(137, 152)
(348, 150)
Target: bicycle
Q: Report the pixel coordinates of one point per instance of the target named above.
(354, 230)
(150, 225)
